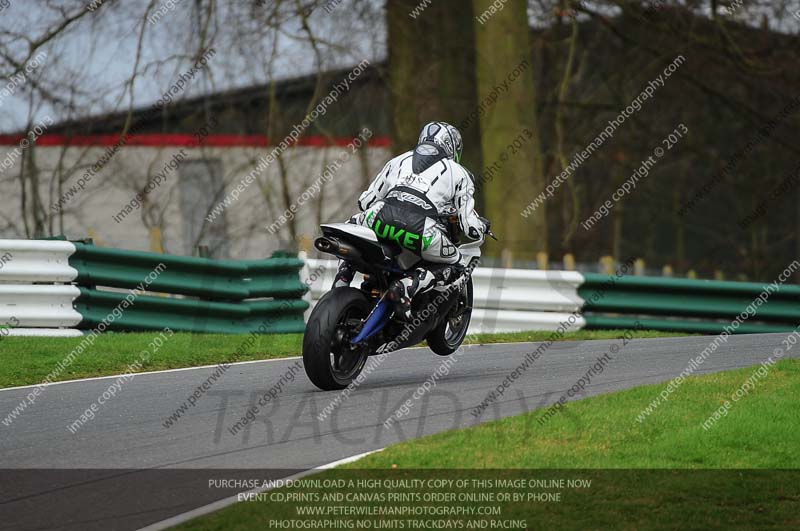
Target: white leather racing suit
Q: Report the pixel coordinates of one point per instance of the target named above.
(424, 182)
(401, 206)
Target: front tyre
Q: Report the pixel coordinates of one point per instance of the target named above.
(330, 361)
(447, 337)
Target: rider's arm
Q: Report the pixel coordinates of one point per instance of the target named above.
(378, 189)
(469, 220)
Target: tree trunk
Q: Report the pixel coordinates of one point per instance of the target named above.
(504, 60)
(431, 69)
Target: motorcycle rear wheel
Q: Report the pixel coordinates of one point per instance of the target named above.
(330, 361)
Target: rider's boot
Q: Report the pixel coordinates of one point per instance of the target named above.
(344, 276)
(402, 291)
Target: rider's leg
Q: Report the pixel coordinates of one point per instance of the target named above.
(344, 276)
(442, 255)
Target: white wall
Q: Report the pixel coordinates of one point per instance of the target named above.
(91, 211)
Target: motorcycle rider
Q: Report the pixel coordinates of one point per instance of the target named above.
(401, 206)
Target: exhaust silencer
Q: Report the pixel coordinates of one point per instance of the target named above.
(325, 245)
(330, 245)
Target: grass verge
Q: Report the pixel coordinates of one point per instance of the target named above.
(761, 430)
(28, 360)
(665, 473)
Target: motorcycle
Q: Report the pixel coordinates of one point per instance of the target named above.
(348, 325)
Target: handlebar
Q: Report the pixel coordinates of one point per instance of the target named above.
(488, 229)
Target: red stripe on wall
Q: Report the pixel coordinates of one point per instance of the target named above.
(182, 140)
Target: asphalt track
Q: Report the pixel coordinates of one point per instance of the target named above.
(125, 470)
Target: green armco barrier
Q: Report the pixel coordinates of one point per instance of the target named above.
(276, 276)
(696, 305)
(704, 327)
(189, 315)
(600, 281)
(691, 305)
(199, 277)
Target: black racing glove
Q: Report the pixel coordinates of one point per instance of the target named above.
(475, 234)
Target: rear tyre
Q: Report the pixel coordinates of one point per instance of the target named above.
(330, 361)
(447, 337)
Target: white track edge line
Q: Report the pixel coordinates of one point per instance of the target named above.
(225, 502)
(78, 380)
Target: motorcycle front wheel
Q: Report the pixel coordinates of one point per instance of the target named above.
(447, 337)
(330, 361)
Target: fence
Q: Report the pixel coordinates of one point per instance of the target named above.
(521, 299)
(60, 287)
(687, 305)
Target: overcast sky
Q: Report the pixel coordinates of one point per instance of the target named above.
(96, 56)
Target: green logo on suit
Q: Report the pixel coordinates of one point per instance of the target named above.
(384, 231)
(401, 237)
